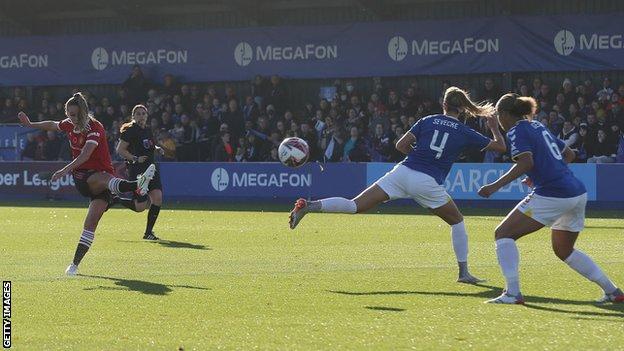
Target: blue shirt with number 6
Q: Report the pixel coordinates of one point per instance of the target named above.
(550, 174)
(439, 141)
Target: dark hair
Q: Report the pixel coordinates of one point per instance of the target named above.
(127, 125)
(518, 106)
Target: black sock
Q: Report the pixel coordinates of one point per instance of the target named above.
(126, 186)
(152, 216)
(83, 245)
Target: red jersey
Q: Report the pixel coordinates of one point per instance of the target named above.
(100, 159)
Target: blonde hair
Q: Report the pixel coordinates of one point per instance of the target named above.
(83, 118)
(129, 124)
(458, 100)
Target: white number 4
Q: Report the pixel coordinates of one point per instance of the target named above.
(438, 148)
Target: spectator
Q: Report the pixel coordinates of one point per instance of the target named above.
(555, 122)
(9, 112)
(603, 151)
(250, 110)
(170, 86)
(569, 95)
(51, 146)
(224, 152)
(606, 91)
(166, 142)
(569, 135)
(380, 145)
(259, 90)
(234, 119)
(30, 150)
(334, 146)
(136, 86)
(490, 93)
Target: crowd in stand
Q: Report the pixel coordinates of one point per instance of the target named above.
(194, 122)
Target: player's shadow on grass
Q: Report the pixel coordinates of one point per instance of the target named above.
(172, 244)
(144, 287)
(493, 291)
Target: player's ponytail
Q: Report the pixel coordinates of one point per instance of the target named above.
(458, 101)
(127, 125)
(83, 118)
(519, 107)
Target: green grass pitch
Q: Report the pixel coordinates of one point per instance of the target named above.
(243, 280)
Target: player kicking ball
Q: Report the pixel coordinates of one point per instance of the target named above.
(91, 168)
(558, 200)
(439, 140)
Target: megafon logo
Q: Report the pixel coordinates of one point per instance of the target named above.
(397, 48)
(220, 179)
(564, 42)
(99, 58)
(243, 54)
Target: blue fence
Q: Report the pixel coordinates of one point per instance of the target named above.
(462, 46)
(271, 181)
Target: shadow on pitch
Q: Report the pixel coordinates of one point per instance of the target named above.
(532, 302)
(171, 244)
(144, 287)
(383, 308)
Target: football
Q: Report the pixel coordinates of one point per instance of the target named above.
(293, 152)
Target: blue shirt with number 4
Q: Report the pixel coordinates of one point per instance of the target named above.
(550, 174)
(439, 141)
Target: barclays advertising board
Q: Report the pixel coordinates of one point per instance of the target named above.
(465, 179)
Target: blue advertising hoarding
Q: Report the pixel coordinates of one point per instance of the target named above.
(207, 181)
(465, 179)
(458, 46)
(13, 140)
(261, 180)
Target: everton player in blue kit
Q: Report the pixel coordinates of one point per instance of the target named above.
(438, 140)
(558, 199)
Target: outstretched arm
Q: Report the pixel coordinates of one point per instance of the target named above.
(523, 165)
(43, 125)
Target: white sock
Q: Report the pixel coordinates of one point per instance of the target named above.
(338, 205)
(586, 267)
(509, 259)
(460, 241)
(113, 185)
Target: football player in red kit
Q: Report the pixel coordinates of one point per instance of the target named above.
(91, 167)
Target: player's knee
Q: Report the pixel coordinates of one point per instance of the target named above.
(500, 232)
(562, 252)
(140, 206)
(156, 198)
(456, 219)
